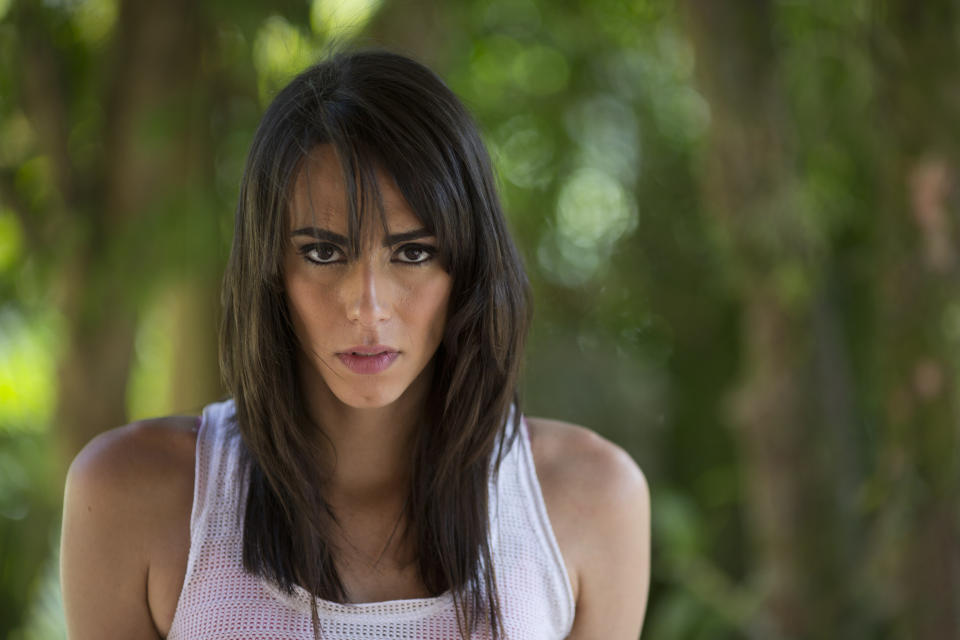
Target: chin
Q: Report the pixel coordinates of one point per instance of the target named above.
(374, 399)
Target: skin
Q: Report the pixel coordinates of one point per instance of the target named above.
(129, 492)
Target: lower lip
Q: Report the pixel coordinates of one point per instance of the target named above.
(368, 365)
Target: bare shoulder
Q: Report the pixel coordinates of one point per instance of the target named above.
(589, 474)
(134, 451)
(599, 507)
(566, 450)
(126, 510)
(124, 471)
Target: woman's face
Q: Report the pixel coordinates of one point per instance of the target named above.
(368, 325)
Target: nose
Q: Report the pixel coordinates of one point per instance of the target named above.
(366, 291)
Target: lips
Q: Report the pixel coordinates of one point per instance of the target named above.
(368, 359)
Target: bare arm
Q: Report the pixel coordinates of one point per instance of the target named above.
(103, 564)
(599, 506)
(126, 530)
(615, 574)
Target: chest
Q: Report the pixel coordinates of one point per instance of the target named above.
(375, 553)
(375, 583)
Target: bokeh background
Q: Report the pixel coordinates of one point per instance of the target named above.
(740, 220)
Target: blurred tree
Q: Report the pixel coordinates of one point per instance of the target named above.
(917, 500)
(775, 257)
(120, 132)
(107, 177)
(745, 277)
(805, 99)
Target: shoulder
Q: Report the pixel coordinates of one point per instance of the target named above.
(145, 439)
(598, 501)
(126, 506)
(126, 462)
(592, 473)
(557, 445)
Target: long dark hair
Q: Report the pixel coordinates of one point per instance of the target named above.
(382, 111)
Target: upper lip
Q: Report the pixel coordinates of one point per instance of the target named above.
(368, 350)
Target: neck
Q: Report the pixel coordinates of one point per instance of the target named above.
(369, 449)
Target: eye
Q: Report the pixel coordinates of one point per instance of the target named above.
(322, 253)
(415, 253)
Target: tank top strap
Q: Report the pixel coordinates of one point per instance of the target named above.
(529, 548)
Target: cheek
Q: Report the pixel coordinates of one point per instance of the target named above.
(303, 299)
(429, 305)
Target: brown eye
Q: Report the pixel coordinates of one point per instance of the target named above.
(321, 253)
(415, 253)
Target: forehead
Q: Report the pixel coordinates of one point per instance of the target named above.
(320, 196)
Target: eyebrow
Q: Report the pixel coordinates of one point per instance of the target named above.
(388, 241)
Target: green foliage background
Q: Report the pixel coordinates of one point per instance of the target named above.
(708, 199)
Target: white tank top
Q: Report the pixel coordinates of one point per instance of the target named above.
(221, 601)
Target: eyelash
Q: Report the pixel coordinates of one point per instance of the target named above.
(306, 251)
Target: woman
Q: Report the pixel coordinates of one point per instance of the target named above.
(371, 475)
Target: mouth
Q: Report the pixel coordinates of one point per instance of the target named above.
(368, 360)
(368, 350)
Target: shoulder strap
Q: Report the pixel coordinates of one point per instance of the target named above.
(215, 467)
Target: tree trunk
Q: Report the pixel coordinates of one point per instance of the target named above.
(779, 420)
(145, 154)
(915, 55)
(196, 371)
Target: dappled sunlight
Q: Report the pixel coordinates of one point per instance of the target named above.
(524, 152)
(11, 240)
(149, 388)
(540, 70)
(607, 133)
(280, 51)
(593, 212)
(659, 73)
(341, 19)
(95, 19)
(491, 67)
(28, 350)
(18, 138)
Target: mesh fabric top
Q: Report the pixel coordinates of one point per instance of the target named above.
(221, 601)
